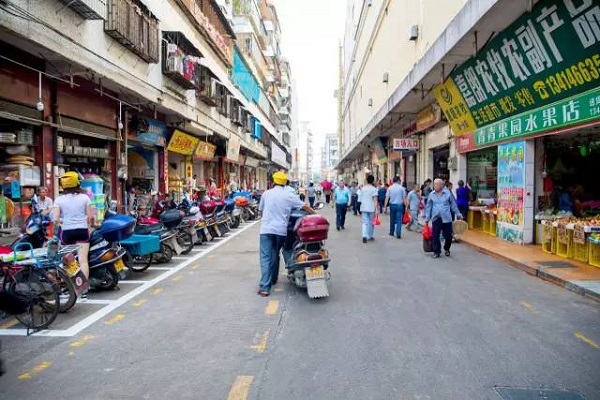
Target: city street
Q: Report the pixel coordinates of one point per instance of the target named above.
(398, 325)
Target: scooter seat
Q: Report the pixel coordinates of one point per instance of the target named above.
(148, 229)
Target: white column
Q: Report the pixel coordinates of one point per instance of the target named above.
(529, 206)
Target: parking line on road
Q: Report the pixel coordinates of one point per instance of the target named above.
(272, 307)
(140, 302)
(178, 258)
(197, 250)
(587, 340)
(98, 301)
(160, 268)
(115, 319)
(261, 346)
(529, 307)
(82, 341)
(38, 369)
(241, 387)
(104, 311)
(157, 290)
(134, 282)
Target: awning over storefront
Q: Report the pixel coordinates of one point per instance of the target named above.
(70, 125)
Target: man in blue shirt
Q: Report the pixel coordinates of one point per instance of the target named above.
(396, 198)
(438, 209)
(341, 195)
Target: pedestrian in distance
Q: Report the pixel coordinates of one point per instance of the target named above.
(449, 186)
(276, 205)
(311, 194)
(341, 197)
(426, 190)
(358, 192)
(396, 199)
(438, 209)
(368, 209)
(381, 195)
(354, 197)
(413, 201)
(463, 193)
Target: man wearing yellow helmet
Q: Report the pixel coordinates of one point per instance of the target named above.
(276, 205)
(73, 212)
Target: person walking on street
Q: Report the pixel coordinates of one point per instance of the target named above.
(396, 198)
(354, 197)
(463, 193)
(381, 195)
(311, 194)
(426, 190)
(414, 202)
(438, 209)
(341, 196)
(368, 208)
(276, 205)
(326, 185)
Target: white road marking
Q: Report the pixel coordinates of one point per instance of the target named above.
(133, 282)
(197, 250)
(160, 268)
(104, 311)
(97, 301)
(179, 258)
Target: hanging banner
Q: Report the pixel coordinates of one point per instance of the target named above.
(182, 143)
(379, 154)
(546, 55)
(233, 149)
(278, 156)
(148, 131)
(511, 191)
(428, 117)
(205, 151)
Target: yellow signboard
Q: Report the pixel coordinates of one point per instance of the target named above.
(454, 107)
(183, 143)
(205, 151)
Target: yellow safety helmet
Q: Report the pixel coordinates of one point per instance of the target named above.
(69, 180)
(280, 178)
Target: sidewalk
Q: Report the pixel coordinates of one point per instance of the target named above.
(570, 274)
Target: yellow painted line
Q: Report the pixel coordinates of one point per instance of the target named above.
(157, 291)
(278, 290)
(82, 341)
(35, 370)
(586, 340)
(115, 319)
(9, 323)
(272, 307)
(210, 256)
(262, 344)
(241, 387)
(529, 307)
(176, 278)
(140, 302)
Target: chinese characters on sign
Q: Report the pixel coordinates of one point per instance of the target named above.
(182, 143)
(428, 117)
(511, 190)
(205, 151)
(406, 144)
(546, 55)
(454, 107)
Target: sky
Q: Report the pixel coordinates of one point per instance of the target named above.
(311, 32)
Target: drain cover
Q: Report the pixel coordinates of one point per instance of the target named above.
(537, 394)
(555, 264)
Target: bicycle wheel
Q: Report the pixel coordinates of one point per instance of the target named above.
(68, 297)
(43, 295)
(138, 263)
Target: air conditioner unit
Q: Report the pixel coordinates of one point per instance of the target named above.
(249, 122)
(231, 114)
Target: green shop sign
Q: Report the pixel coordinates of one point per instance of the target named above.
(571, 111)
(546, 55)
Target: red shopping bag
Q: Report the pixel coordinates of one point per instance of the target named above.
(427, 232)
(407, 219)
(376, 220)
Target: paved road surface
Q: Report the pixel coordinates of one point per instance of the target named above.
(398, 325)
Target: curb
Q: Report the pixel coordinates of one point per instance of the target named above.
(537, 272)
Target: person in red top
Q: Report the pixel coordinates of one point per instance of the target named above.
(326, 185)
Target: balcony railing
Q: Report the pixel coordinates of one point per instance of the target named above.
(131, 24)
(88, 9)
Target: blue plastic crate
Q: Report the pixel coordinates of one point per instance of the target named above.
(141, 245)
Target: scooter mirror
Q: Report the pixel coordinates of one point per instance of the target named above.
(319, 205)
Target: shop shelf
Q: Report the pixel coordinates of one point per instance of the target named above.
(549, 239)
(580, 252)
(475, 219)
(594, 254)
(565, 249)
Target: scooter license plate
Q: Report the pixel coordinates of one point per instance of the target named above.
(119, 265)
(317, 272)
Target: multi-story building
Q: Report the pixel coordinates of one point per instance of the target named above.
(468, 92)
(331, 151)
(136, 91)
(295, 133)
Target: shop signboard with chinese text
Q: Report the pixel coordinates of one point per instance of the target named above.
(571, 111)
(233, 149)
(205, 151)
(406, 144)
(546, 55)
(379, 154)
(154, 132)
(511, 191)
(428, 117)
(182, 143)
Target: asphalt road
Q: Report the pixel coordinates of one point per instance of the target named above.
(398, 325)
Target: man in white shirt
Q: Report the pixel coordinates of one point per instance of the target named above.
(368, 208)
(276, 205)
(44, 203)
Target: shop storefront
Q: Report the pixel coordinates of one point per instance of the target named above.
(406, 150)
(146, 141)
(205, 163)
(180, 153)
(530, 131)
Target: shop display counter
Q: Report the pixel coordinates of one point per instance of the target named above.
(564, 242)
(594, 253)
(548, 237)
(493, 217)
(475, 217)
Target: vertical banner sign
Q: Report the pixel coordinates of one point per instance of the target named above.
(511, 191)
(547, 55)
(379, 152)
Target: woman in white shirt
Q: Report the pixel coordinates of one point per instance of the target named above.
(368, 209)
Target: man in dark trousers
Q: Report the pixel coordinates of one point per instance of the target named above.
(438, 209)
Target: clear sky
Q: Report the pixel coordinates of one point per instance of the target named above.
(311, 33)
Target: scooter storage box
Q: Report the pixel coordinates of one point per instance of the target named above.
(313, 228)
(241, 201)
(141, 245)
(207, 207)
(117, 228)
(229, 205)
(171, 218)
